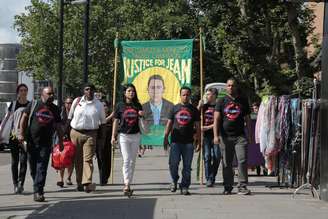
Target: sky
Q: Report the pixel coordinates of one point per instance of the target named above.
(8, 9)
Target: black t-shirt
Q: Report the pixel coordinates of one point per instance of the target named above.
(208, 113)
(18, 105)
(128, 115)
(183, 117)
(232, 113)
(44, 117)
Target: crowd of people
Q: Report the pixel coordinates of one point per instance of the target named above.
(89, 124)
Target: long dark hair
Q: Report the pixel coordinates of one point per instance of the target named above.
(135, 100)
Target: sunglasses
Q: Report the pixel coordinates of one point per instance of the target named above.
(50, 93)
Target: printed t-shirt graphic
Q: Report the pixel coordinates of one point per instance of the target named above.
(130, 116)
(232, 111)
(183, 116)
(209, 116)
(44, 116)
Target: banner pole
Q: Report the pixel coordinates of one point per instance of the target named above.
(114, 103)
(201, 165)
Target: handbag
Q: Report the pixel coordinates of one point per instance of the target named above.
(63, 159)
(7, 125)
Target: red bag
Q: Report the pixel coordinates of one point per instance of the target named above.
(63, 159)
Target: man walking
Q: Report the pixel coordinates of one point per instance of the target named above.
(86, 115)
(39, 120)
(211, 151)
(230, 115)
(183, 120)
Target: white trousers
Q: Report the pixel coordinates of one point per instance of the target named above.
(129, 144)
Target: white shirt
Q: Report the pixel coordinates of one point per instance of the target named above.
(87, 114)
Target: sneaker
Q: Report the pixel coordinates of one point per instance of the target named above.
(244, 191)
(15, 189)
(38, 197)
(209, 183)
(91, 187)
(185, 191)
(20, 189)
(173, 187)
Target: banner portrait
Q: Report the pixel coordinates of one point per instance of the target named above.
(157, 69)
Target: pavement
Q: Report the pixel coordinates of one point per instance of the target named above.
(152, 199)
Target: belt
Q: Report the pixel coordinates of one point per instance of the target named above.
(86, 130)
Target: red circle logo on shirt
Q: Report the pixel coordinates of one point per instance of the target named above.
(232, 111)
(130, 116)
(44, 116)
(183, 117)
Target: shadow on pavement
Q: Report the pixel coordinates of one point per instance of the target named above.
(105, 208)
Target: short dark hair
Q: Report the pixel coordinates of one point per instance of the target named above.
(156, 77)
(89, 85)
(234, 81)
(213, 90)
(185, 88)
(19, 86)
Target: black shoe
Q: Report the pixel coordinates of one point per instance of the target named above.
(20, 189)
(173, 187)
(60, 184)
(80, 188)
(38, 197)
(227, 191)
(184, 191)
(244, 191)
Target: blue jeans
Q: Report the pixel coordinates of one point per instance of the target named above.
(212, 157)
(39, 158)
(186, 151)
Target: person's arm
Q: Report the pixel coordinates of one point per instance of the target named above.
(110, 117)
(216, 125)
(167, 132)
(60, 133)
(22, 127)
(114, 131)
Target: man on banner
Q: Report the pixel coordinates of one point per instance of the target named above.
(157, 109)
(183, 121)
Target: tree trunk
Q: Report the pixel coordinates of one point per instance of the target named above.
(296, 36)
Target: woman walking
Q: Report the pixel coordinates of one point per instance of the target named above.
(64, 115)
(126, 124)
(18, 151)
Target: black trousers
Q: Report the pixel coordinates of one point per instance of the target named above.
(104, 153)
(39, 158)
(18, 162)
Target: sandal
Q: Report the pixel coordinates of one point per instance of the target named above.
(69, 182)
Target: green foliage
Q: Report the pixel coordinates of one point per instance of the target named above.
(250, 40)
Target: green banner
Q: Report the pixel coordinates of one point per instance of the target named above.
(158, 69)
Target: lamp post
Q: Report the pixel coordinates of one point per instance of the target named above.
(61, 53)
(85, 38)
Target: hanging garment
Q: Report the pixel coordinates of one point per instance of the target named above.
(283, 123)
